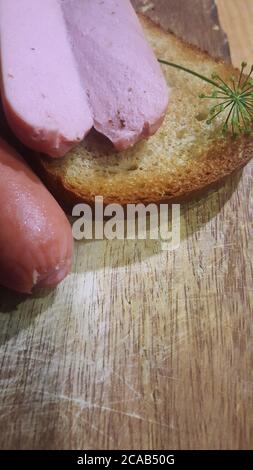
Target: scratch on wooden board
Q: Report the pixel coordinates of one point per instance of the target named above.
(83, 404)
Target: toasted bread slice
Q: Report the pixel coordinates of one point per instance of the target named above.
(184, 157)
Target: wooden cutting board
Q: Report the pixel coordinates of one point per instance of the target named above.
(142, 348)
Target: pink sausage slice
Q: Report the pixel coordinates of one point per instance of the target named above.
(127, 91)
(35, 236)
(44, 101)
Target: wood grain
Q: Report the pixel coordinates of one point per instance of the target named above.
(196, 21)
(236, 17)
(139, 347)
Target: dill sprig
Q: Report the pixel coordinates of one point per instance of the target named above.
(234, 99)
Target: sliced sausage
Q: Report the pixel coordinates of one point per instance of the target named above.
(126, 88)
(45, 103)
(35, 236)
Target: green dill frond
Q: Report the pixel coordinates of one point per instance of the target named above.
(235, 99)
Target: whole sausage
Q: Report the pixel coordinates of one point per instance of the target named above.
(36, 240)
(45, 103)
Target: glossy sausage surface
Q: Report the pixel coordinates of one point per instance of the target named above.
(35, 236)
